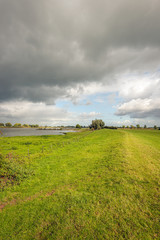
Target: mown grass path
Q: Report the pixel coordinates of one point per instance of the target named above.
(104, 185)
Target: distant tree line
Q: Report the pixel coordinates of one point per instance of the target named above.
(139, 127)
(110, 127)
(96, 124)
(18, 125)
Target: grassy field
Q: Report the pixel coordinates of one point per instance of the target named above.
(88, 185)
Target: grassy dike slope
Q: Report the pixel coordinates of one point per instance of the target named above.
(104, 185)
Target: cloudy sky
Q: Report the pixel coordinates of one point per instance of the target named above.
(68, 62)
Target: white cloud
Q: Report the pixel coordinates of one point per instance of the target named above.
(140, 96)
(90, 115)
(140, 108)
(42, 114)
(139, 86)
(134, 122)
(28, 112)
(99, 100)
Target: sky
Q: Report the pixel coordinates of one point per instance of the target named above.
(68, 62)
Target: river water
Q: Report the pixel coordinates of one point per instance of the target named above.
(12, 132)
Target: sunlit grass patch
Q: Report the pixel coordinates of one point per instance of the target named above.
(101, 185)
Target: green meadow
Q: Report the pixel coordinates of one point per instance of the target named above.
(103, 184)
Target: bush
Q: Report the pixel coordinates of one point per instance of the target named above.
(17, 125)
(25, 125)
(8, 124)
(97, 124)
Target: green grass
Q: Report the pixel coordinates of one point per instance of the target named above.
(101, 185)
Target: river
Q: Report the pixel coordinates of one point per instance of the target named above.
(12, 132)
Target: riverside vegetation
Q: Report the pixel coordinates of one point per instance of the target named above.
(88, 185)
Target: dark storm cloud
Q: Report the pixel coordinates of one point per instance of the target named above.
(48, 46)
(155, 113)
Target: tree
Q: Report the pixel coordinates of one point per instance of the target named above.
(138, 126)
(123, 126)
(25, 125)
(16, 125)
(155, 127)
(78, 126)
(145, 126)
(1, 124)
(97, 124)
(35, 126)
(8, 124)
